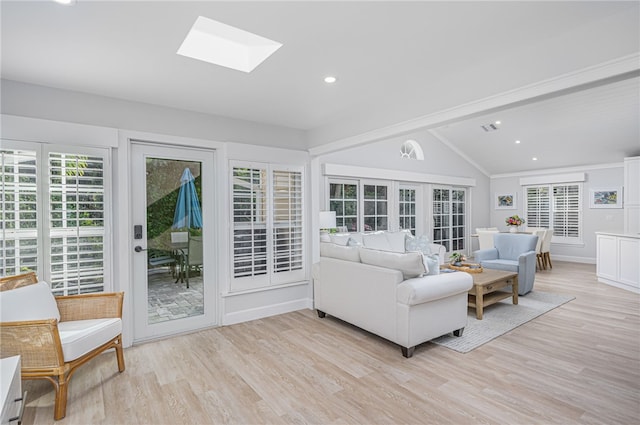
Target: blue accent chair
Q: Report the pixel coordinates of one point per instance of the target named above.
(513, 253)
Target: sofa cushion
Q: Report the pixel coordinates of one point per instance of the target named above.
(409, 263)
(78, 337)
(376, 240)
(32, 302)
(506, 265)
(347, 253)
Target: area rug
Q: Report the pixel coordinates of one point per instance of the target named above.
(501, 318)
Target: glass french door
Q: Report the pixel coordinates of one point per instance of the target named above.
(172, 240)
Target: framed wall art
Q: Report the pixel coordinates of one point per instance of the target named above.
(505, 201)
(610, 197)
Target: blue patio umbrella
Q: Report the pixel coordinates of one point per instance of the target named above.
(187, 214)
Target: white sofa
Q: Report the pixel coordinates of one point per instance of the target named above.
(387, 293)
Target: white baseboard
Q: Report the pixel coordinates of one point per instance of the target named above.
(571, 259)
(266, 311)
(618, 285)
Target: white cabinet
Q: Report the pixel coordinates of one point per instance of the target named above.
(11, 391)
(631, 197)
(618, 260)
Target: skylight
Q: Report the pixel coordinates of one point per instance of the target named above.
(214, 42)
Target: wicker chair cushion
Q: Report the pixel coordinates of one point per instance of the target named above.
(78, 337)
(33, 302)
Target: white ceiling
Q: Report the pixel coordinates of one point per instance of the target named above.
(396, 62)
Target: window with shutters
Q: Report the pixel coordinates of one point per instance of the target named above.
(54, 220)
(558, 207)
(267, 231)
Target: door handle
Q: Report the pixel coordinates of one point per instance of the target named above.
(139, 249)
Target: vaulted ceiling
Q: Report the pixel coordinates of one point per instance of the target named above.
(562, 77)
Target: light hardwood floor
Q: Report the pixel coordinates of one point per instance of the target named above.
(579, 363)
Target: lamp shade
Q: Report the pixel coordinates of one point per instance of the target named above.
(327, 219)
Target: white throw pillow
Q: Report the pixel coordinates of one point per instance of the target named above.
(410, 263)
(432, 264)
(347, 253)
(353, 242)
(32, 302)
(376, 241)
(397, 240)
(339, 238)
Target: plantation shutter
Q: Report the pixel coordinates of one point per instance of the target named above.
(537, 214)
(18, 215)
(287, 221)
(76, 223)
(566, 211)
(268, 210)
(249, 222)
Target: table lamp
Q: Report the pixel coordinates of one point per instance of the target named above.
(327, 222)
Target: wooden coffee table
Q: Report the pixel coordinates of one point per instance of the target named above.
(486, 289)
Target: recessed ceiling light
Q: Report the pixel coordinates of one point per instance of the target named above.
(498, 122)
(66, 2)
(221, 44)
(534, 158)
(330, 79)
(517, 142)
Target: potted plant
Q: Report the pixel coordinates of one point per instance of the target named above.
(514, 222)
(456, 258)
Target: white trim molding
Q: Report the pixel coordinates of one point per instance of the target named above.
(339, 170)
(553, 179)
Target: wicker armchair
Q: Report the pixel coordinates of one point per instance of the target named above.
(43, 343)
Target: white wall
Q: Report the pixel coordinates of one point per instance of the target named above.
(593, 219)
(42, 114)
(60, 105)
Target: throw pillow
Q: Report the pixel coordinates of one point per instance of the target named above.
(432, 264)
(353, 242)
(420, 243)
(332, 250)
(33, 302)
(397, 240)
(376, 241)
(410, 263)
(339, 238)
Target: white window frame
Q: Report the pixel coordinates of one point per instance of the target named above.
(271, 277)
(553, 210)
(391, 215)
(417, 204)
(465, 237)
(44, 230)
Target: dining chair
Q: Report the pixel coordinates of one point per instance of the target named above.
(540, 233)
(485, 238)
(545, 249)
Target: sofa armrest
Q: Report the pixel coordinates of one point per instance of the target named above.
(485, 254)
(90, 306)
(36, 341)
(430, 288)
